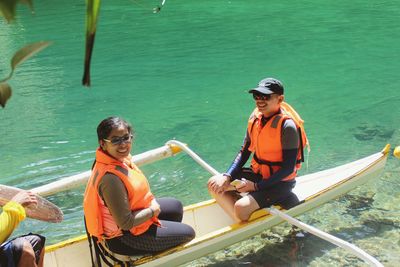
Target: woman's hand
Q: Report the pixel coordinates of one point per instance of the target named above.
(25, 198)
(246, 186)
(155, 207)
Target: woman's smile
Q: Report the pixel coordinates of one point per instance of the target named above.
(123, 150)
(118, 150)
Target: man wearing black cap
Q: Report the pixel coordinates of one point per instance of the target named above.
(273, 139)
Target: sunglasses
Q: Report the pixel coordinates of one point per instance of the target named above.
(258, 96)
(119, 140)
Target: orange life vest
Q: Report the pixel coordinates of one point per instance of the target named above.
(97, 215)
(266, 144)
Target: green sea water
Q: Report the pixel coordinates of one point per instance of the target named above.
(183, 74)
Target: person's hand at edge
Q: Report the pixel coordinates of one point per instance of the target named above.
(25, 198)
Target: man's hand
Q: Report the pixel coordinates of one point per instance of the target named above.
(246, 186)
(218, 183)
(25, 198)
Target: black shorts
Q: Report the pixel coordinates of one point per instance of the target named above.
(277, 194)
(10, 252)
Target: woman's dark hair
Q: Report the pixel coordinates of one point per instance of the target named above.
(107, 125)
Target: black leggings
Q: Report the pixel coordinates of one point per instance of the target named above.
(171, 233)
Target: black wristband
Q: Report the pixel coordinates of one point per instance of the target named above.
(255, 187)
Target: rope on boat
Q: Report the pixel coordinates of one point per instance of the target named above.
(328, 237)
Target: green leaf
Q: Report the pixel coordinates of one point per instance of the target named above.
(24, 53)
(5, 93)
(92, 12)
(8, 7)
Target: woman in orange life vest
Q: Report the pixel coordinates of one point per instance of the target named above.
(118, 204)
(273, 139)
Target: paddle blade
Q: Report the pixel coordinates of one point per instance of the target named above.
(5, 93)
(44, 210)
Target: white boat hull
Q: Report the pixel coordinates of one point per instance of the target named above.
(215, 230)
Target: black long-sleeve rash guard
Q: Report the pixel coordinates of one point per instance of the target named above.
(290, 146)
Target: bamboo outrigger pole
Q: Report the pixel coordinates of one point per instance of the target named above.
(81, 178)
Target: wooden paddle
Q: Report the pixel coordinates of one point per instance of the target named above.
(44, 210)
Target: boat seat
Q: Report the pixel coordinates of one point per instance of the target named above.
(102, 253)
(124, 260)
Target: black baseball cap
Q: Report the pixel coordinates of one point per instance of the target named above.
(268, 86)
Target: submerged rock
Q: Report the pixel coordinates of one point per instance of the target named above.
(365, 132)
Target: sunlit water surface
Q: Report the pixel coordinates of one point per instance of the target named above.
(183, 74)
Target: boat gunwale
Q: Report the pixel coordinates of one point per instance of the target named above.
(262, 216)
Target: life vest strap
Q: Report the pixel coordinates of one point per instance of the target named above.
(276, 120)
(273, 163)
(266, 162)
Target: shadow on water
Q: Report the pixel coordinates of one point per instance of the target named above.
(295, 249)
(358, 204)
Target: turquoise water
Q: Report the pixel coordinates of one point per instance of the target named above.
(183, 73)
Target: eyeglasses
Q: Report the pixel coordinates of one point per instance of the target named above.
(262, 96)
(119, 140)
